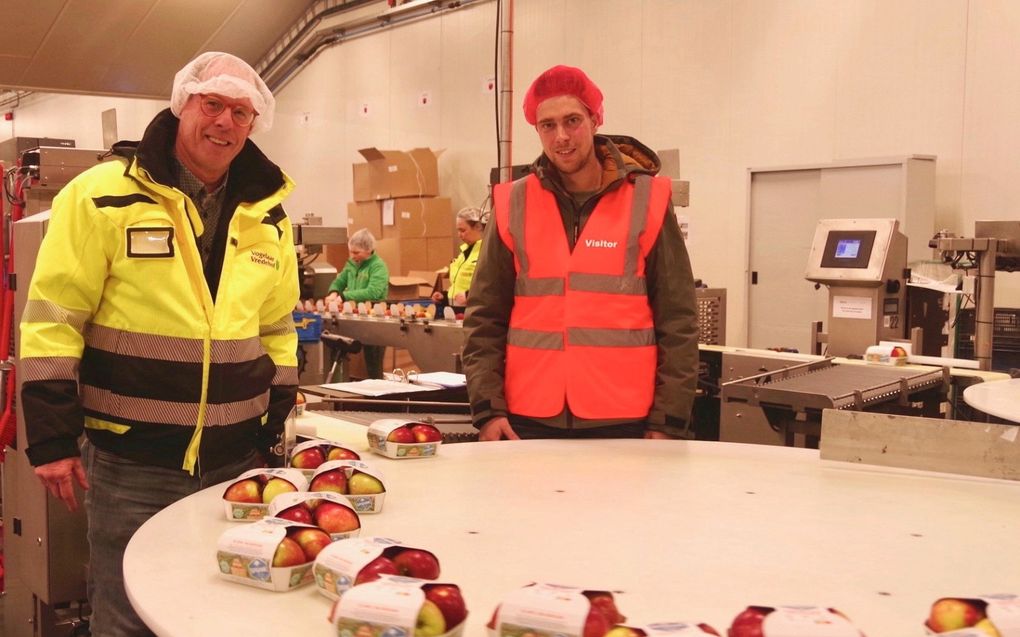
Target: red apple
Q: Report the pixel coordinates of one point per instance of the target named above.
(334, 480)
(340, 453)
(364, 484)
(450, 602)
(309, 458)
(748, 622)
(335, 518)
(417, 563)
(311, 539)
(379, 566)
(297, 513)
(596, 625)
(247, 490)
(288, 553)
(430, 621)
(603, 602)
(426, 433)
(402, 435)
(952, 614)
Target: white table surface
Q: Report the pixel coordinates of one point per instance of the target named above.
(1000, 398)
(684, 530)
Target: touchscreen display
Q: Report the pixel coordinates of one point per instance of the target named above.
(848, 248)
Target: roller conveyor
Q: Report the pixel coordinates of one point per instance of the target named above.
(824, 385)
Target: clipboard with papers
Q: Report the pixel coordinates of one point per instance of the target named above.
(400, 383)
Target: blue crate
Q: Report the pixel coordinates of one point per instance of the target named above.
(308, 326)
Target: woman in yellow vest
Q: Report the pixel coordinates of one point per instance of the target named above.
(470, 224)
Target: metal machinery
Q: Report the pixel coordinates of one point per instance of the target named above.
(45, 547)
(309, 237)
(996, 246)
(864, 264)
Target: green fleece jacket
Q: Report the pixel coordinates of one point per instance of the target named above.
(369, 281)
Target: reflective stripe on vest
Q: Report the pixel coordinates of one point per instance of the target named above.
(581, 331)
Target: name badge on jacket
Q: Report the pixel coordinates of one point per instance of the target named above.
(150, 243)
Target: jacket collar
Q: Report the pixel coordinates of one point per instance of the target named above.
(622, 157)
(252, 176)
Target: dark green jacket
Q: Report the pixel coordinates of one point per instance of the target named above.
(369, 281)
(670, 292)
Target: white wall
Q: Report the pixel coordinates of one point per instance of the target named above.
(731, 83)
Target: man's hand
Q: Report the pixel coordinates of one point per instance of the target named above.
(658, 435)
(57, 478)
(497, 429)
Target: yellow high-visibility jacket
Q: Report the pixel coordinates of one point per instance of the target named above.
(125, 334)
(462, 269)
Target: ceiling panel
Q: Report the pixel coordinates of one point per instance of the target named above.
(130, 47)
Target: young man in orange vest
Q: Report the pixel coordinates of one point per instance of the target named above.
(582, 318)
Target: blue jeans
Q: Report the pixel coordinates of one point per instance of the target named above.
(123, 494)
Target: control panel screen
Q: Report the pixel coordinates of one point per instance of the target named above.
(848, 249)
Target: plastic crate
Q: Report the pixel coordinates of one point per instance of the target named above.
(308, 326)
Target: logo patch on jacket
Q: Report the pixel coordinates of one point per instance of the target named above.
(599, 243)
(264, 258)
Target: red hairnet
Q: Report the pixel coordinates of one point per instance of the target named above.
(563, 80)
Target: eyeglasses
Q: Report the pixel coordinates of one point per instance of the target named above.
(213, 107)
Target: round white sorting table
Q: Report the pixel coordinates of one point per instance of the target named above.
(683, 530)
(999, 398)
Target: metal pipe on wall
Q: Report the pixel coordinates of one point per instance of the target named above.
(506, 88)
(984, 314)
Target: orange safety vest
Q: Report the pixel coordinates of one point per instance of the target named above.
(581, 329)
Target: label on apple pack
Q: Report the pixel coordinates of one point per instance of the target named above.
(550, 607)
(379, 431)
(338, 565)
(245, 555)
(806, 621)
(384, 606)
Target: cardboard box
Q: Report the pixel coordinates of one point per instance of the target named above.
(245, 555)
(434, 279)
(406, 254)
(338, 565)
(310, 504)
(406, 217)
(393, 173)
(361, 502)
(995, 614)
(378, 434)
(252, 511)
(404, 288)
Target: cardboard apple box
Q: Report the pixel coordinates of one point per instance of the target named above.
(249, 512)
(552, 608)
(365, 502)
(377, 442)
(324, 445)
(1001, 610)
(245, 555)
(287, 500)
(806, 621)
(386, 606)
(338, 565)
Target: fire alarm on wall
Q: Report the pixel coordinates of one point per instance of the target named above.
(8, 116)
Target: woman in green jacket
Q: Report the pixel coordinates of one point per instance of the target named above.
(365, 277)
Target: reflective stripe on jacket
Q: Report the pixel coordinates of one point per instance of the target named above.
(581, 329)
(119, 304)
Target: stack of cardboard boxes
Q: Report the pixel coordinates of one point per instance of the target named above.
(396, 198)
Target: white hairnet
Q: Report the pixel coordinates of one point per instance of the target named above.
(227, 75)
(474, 215)
(363, 240)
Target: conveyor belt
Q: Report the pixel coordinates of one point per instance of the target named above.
(824, 385)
